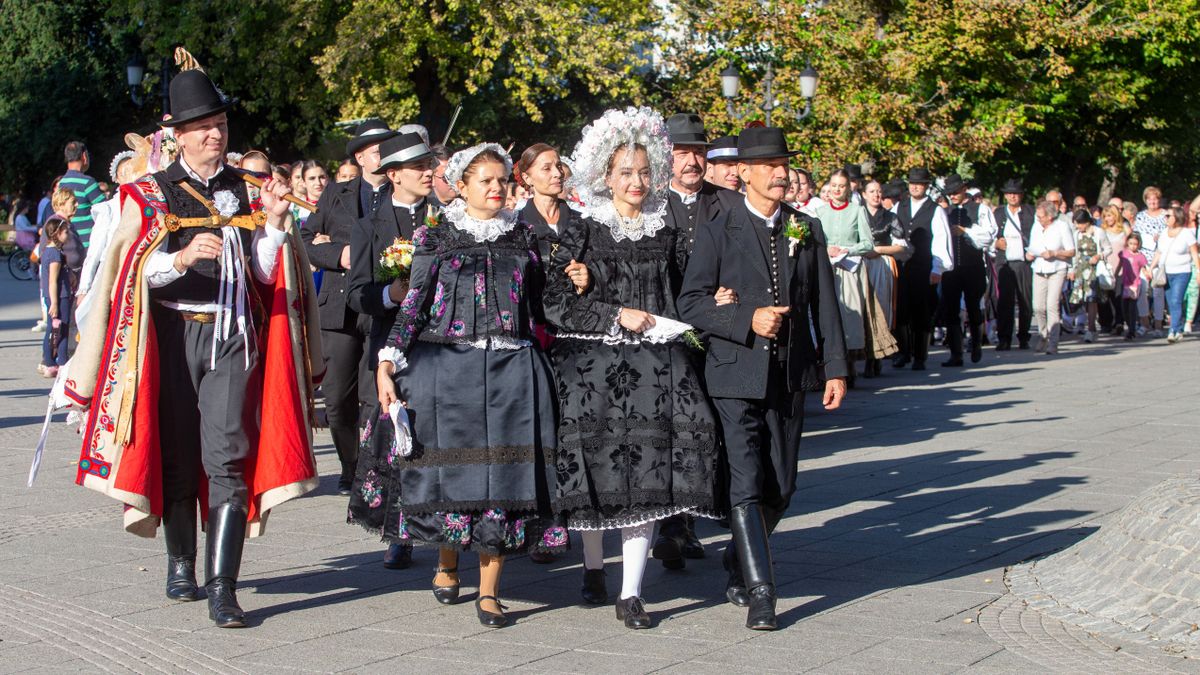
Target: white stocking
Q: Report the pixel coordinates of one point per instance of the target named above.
(593, 549)
(635, 549)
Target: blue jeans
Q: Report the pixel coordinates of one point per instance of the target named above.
(1176, 291)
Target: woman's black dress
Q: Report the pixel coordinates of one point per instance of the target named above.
(480, 401)
(637, 435)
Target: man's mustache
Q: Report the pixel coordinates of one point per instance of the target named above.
(783, 183)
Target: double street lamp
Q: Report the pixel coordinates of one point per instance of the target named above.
(731, 82)
(135, 71)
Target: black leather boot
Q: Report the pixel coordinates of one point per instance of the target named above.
(692, 548)
(595, 588)
(754, 554)
(735, 585)
(179, 529)
(226, 534)
(669, 545)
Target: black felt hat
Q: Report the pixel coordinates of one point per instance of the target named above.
(723, 149)
(895, 189)
(854, 171)
(687, 129)
(919, 175)
(367, 134)
(954, 184)
(194, 97)
(1013, 186)
(402, 149)
(762, 143)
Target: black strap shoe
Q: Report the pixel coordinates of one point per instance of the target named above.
(179, 530)
(398, 557)
(447, 595)
(594, 591)
(226, 535)
(490, 619)
(633, 612)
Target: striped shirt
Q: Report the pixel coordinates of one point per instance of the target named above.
(87, 194)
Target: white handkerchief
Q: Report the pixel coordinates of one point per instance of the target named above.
(400, 423)
(665, 330)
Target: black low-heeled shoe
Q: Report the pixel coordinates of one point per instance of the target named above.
(594, 591)
(633, 612)
(447, 595)
(490, 619)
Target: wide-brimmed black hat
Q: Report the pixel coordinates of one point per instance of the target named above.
(723, 149)
(919, 175)
(367, 134)
(953, 184)
(686, 129)
(1013, 186)
(763, 143)
(401, 149)
(194, 97)
(854, 171)
(895, 189)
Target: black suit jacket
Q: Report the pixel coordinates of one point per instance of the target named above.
(371, 235)
(338, 209)
(728, 253)
(709, 205)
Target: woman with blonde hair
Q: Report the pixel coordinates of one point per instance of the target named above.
(1116, 231)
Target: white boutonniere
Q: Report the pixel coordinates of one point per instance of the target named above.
(226, 203)
(797, 233)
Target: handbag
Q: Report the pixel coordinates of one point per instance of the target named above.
(1158, 279)
(1104, 276)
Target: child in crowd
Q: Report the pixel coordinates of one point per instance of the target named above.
(58, 282)
(1132, 273)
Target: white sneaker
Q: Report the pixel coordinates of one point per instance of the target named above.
(1089, 336)
(39, 327)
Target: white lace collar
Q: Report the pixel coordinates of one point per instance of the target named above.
(482, 230)
(652, 219)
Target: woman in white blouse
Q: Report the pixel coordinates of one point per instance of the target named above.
(1051, 245)
(1176, 254)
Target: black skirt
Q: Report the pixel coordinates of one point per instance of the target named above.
(637, 438)
(480, 473)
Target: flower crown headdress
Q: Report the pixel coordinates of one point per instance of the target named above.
(620, 129)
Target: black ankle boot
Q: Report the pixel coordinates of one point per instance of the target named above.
(754, 554)
(595, 590)
(669, 545)
(735, 585)
(692, 548)
(179, 529)
(226, 534)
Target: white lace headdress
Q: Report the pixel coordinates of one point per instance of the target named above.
(462, 159)
(614, 130)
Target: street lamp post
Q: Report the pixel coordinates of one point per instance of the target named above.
(731, 82)
(135, 72)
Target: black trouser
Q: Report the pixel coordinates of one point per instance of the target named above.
(963, 285)
(207, 421)
(347, 383)
(762, 442)
(1016, 291)
(1129, 308)
(916, 300)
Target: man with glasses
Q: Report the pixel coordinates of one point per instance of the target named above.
(443, 191)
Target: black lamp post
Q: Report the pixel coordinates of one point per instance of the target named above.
(135, 72)
(731, 82)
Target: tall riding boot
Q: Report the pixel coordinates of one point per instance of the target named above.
(179, 529)
(735, 585)
(226, 534)
(920, 349)
(754, 553)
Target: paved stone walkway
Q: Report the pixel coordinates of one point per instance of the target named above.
(913, 501)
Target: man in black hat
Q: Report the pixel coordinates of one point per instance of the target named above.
(854, 172)
(761, 356)
(200, 245)
(928, 233)
(407, 163)
(722, 164)
(344, 331)
(972, 231)
(690, 201)
(893, 191)
(1014, 276)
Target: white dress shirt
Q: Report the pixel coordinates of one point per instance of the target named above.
(771, 219)
(1055, 237)
(412, 213)
(943, 254)
(983, 232)
(1014, 245)
(160, 266)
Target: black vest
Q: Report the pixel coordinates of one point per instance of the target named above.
(966, 255)
(918, 229)
(201, 282)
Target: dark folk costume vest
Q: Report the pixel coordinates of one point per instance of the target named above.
(918, 229)
(966, 255)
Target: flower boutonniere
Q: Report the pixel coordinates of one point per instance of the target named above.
(797, 233)
(431, 216)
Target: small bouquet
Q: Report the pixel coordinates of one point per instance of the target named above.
(797, 233)
(396, 260)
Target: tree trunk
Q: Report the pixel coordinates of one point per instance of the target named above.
(1109, 186)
